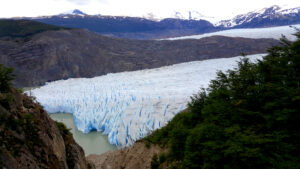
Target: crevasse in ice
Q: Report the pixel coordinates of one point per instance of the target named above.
(127, 106)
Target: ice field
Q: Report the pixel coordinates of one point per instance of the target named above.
(127, 106)
(255, 33)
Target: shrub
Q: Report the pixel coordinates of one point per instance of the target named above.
(63, 129)
(154, 162)
(162, 158)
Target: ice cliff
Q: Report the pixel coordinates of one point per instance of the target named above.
(129, 105)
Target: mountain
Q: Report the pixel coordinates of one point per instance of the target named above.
(29, 138)
(180, 23)
(267, 17)
(182, 15)
(129, 27)
(74, 12)
(62, 54)
(190, 15)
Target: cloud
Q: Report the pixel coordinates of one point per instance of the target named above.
(80, 2)
(162, 8)
(86, 2)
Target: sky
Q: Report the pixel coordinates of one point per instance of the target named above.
(218, 9)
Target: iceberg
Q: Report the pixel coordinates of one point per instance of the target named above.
(127, 106)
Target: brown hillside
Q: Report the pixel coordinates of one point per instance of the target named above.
(55, 55)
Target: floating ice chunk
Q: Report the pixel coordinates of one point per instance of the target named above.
(128, 106)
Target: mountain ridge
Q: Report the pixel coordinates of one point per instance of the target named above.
(181, 23)
(54, 55)
(130, 27)
(265, 17)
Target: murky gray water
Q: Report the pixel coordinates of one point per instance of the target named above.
(92, 143)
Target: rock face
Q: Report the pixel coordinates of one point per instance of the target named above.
(63, 54)
(30, 139)
(137, 157)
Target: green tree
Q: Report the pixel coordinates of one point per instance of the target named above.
(6, 76)
(247, 118)
(250, 116)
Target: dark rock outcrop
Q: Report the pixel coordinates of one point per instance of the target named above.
(63, 54)
(30, 139)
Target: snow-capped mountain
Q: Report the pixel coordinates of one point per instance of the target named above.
(181, 15)
(189, 15)
(127, 106)
(74, 12)
(179, 23)
(130, 27)
(271, 16)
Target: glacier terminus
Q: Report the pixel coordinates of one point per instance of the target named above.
(127, 106)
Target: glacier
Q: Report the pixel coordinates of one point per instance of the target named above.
(127, 106)
(254, 33)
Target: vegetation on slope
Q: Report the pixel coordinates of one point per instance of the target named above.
(247, 118)
(23, 28)
(28, 137)
(6, 76)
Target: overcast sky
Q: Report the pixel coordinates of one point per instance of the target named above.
(221, 9)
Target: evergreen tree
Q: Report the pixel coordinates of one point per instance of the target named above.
(247, 118)
(6, 76)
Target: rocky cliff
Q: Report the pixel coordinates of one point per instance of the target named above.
(30, 139)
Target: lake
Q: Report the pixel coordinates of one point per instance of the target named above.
(92, 143)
